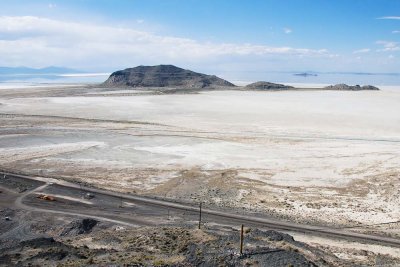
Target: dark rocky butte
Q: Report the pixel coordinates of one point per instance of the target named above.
(164, 76)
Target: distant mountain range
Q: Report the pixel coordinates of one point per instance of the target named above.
(316, 73)
(7, 71)
(365, 73)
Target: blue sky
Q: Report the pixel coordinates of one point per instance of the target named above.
(229, 37)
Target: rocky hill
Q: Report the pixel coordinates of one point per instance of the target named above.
(267, 86)
(345, 87)
(164, 76)
(163, 246)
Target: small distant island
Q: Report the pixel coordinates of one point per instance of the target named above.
(306, 74)
(175, 79)
(345, 87)
(261, 85)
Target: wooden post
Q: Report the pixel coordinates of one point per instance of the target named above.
(83, 193)
(200, 216)
(241, 240)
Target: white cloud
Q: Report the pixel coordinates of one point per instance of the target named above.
(390, 17)
(39, 42)
(397, 31)
(140, 21)
(287, 30)
(364, 50)
(388, 46)
(51, 5)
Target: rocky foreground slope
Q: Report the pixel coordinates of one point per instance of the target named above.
(164, 76)
(91, 243)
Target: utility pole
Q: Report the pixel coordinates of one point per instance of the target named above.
(241, 240)
(83, 193)
(200, 216)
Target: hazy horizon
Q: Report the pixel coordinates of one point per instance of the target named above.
(237, 78)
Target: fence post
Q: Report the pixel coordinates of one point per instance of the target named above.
(241, 240)
(200, 216)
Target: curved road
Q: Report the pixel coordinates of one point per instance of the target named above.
(18, 203)
(219, 216)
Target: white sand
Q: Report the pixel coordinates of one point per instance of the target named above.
(313, 140)
(394, 252)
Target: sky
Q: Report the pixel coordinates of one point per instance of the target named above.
(226, 37)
